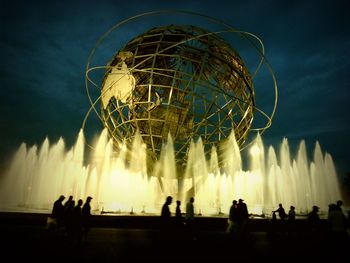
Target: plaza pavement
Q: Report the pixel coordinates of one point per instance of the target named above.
(25, 240)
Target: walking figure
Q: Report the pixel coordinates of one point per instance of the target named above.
(178, 214)
(77, 223)
(190, 217)
(86, 217)
(66, 204)
(165, 214)
(233, 218)
(291, 220)
(57, 213)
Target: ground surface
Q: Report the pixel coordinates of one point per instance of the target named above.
(24, 240)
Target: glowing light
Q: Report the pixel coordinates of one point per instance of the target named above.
(254, 150)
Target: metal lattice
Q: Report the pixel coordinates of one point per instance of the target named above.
(187, 82)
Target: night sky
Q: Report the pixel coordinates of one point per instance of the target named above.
(44, 47)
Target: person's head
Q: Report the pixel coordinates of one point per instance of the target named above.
(240, 201)
(234, 202)
(292, 207)
(178, 202)
(315, 208)
(62, 197)
(88, 199)
(280, 205)
(169, 199)
(80, 202)
(339, 203)
(192, 199)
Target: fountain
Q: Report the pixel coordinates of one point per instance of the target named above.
(36, 176)
(160, 90)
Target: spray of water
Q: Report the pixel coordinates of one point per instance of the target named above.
(119, 182)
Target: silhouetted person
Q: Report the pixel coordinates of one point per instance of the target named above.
(331, 207)
(291, 220)
(67, 205)
(339, 205)
(233, 217)
(281, 212)
(190, 209)
(242, 217)
(165, 214)
(70, 199)
(179, 222)
(68, 219)
(190, 217)
(337, 224)
(178, 214)
(58, 211)
(282, 215)
(291, 213)
(86, 217)
(77, 222)
(314, 224)
(314, 218)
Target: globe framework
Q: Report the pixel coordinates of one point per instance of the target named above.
(177, 80)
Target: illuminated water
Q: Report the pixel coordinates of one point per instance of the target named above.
(38, 175)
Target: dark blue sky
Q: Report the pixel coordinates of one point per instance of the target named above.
(44, 46)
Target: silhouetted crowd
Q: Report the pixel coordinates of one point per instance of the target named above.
(335, 227)
(71, 218)
(74, 220)
(332, 232)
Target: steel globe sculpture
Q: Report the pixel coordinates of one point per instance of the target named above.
(178, 106)
(181, 81)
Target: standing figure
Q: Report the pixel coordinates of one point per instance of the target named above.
(339, 205)
(337, 224)
(68, 219)
(314, 227)
(314, 219)
(190, 217)
(190, 209)
(281, 212)
(77, 223)
(179, 223)
(291, 220)
(233, 218)
(242, 217)
(178, 214)
(86, 217)
(291, 213)
(165, 214)
(57, 212)
(282, 215)
(66, 204)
